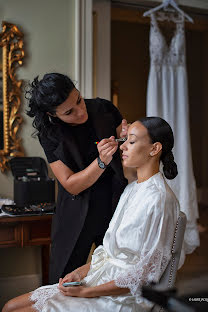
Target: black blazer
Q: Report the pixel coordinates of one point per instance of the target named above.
(72, 210)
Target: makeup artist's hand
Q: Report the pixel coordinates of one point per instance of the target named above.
(106, 149)
(124, 128)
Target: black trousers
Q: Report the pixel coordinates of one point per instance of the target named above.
(95, 226)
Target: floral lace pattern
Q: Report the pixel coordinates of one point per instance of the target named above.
(42, 294)
(144, 272)
(160, 52)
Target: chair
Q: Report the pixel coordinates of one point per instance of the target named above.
(169, 275)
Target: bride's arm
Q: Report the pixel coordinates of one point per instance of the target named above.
(83, 270)
(107, 289)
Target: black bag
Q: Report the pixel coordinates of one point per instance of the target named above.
(31, 182)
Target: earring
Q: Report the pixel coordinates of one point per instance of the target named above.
(151, 154)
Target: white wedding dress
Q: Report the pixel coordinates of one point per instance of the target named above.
(167, 97)
(136, 249)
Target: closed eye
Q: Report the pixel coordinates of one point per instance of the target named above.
(79, 100)
(68, 113)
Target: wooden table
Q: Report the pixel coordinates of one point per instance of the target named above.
(28, 231)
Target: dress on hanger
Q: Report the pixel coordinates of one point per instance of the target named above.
(167, 97)
(136, 250)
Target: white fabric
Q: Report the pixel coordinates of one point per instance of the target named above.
(167, 97)
(136, 249)
(42, 294)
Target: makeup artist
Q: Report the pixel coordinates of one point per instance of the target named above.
(90, 177)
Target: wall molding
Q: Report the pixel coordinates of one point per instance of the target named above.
(84, 47)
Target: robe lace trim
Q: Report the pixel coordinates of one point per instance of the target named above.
(149, 269)
(42, 294)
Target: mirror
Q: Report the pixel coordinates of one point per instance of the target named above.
(11, 55)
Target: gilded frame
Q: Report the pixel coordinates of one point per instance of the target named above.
(11, 42)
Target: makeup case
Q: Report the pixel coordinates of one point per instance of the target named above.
(31, 182)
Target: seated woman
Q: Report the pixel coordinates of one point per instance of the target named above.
(137, 245)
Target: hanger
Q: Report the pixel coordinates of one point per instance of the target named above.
(165, 5)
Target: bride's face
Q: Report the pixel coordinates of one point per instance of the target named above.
(137, 148)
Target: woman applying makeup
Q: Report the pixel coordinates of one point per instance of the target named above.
(90, 177)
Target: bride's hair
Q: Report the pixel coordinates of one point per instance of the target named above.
(160, 131)
(44, 96)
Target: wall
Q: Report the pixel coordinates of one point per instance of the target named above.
(102, 56)
(201, 4)
(48, 28)
(49, 36)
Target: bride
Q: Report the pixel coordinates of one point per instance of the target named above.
(137, 245)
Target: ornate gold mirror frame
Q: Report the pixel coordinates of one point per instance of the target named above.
(11, 43)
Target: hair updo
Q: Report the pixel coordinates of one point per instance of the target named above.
(44, 96)
(160, 131)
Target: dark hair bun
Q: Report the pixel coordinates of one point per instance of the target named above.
(44, 96)
(169, 166)
(160, 131)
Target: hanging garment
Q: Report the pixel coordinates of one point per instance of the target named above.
(167, 97)
(136, 249)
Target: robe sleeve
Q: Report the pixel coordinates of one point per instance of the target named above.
(154, 240)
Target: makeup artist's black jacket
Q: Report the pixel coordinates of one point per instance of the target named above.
(63, 144)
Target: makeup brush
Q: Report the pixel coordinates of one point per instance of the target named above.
(117, 140)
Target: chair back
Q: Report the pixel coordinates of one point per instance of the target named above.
(168, 278)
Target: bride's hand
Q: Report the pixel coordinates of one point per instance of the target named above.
(78, 291)
(74, 291)
(70, 277)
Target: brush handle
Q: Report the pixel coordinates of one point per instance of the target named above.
(121, 140)
(117, 140)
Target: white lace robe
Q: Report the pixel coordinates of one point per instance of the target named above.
(135, 251)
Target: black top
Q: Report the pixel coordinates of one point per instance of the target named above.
(85, 137)
(84, 134)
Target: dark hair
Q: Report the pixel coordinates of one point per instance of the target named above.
(44, 96)
(160, 131)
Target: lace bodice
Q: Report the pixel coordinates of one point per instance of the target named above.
(160, 52)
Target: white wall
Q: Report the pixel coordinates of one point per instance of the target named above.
(202, 4)
(49, 36)
(103, 48)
